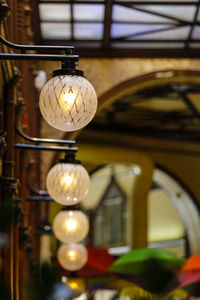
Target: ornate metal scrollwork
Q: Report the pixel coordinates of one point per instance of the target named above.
(3, 144)
(4, 10)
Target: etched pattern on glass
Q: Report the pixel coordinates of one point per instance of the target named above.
(70, 226)
(72, 257)
(67, 183)
(68, 102)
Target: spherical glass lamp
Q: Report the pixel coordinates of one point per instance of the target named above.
(72, 257)
(70, 226)
(77, 286)
(68, 101)
(67, 183)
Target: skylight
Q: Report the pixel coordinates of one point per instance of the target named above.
(120, 25)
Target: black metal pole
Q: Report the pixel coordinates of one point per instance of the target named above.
(45, 148)
(34, 47)
(43, 140)
(39, 198)
(49, 57)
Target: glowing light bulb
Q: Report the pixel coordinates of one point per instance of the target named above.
(67, 179)
(76, 284)
(72, 257)
(70, 226)
(68, 102)
(68, 183)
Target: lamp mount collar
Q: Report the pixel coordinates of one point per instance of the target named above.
(70, 158)
(71, 207)
(68, 68)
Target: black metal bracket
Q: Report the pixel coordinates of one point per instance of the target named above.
(43, 140)
(66, 52)
(44, 228)
(39, 198)
(38, 195)
(38, 141)
(24, 48)
(66, 57)
(45, 148)
(49, 57)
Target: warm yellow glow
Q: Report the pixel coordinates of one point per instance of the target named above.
(73, 285)
(67, 179)
(73, 102)
(77, 286)
(71, 224)
(69, 99)
(72, 255)
(67, 183)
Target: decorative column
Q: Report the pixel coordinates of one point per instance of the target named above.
(10, 185)
(139, 203)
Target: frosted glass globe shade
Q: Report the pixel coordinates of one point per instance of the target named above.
(68, 102)
(77, 286)
(70, 226)
(67, 183)
(72, 257)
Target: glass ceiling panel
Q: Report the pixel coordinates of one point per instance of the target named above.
(180, 33)
(88, 12)
(132, 45)
(196, 33)
(54, 12)
(182, 12)
(127, 24)
(122, 13)
(88, 31)
(122, 30)
(56, 30)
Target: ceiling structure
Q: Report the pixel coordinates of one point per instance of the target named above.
(153, 107)
(163, 111)
(116, 28)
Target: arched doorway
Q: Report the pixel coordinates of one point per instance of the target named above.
(173, 217)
